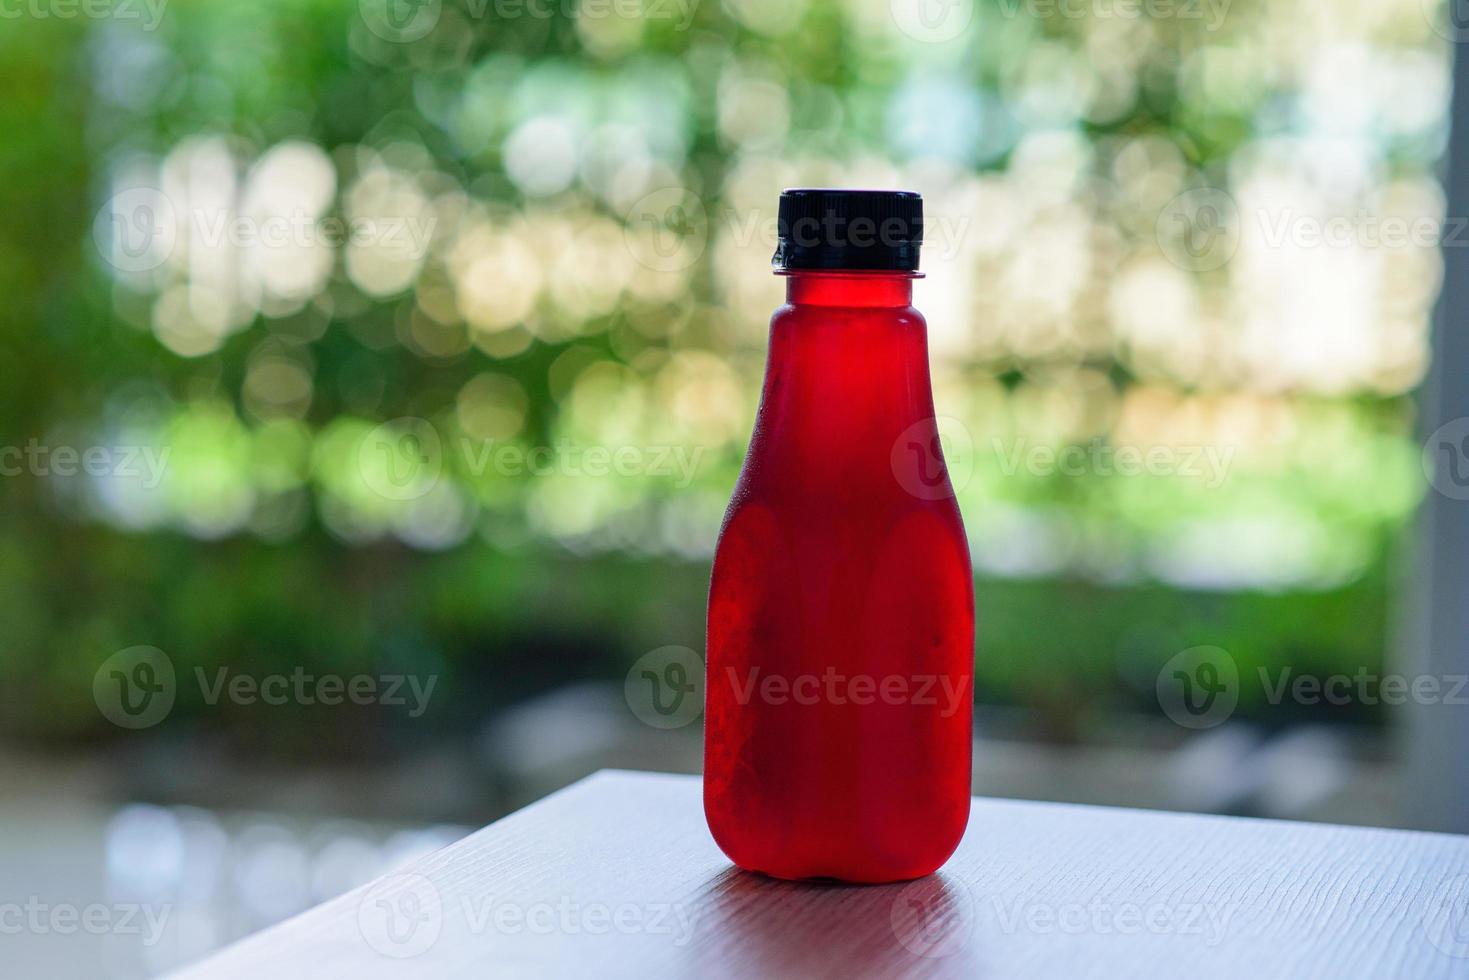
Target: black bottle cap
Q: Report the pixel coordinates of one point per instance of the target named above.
(821, 228)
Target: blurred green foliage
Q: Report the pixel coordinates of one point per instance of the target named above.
(270, 545)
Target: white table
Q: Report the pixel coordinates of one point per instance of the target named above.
(617, 876)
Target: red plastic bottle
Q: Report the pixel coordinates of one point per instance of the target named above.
(841, 619)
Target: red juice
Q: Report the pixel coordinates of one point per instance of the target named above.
(841, 622)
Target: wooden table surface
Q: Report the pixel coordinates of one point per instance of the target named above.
(617, 876)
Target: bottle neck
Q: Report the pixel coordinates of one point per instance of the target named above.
(847, 374)
(850, 289)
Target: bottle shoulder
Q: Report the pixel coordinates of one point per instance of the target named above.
(771, 505)
(783, 536)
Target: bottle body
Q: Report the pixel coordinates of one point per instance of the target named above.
(840, 635)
